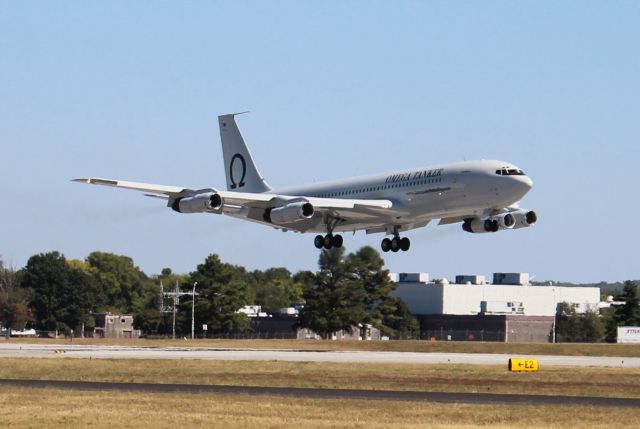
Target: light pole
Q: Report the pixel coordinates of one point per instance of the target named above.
(193, 309)
(555, 314)
(176, 296)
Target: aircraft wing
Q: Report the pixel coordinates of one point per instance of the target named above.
(136, 186)
(350, 213)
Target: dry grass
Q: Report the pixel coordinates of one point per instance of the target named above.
(50, 408)
(611, 382)
(623, 350)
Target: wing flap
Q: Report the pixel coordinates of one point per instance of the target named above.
(262, 200)
(337, 203)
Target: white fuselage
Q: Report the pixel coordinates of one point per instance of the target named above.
(465, 189)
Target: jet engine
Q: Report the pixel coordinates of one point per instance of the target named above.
(293, 212)
(513, 220)
(489, 224)
(525, 218)
(476, 225)
(200, 203)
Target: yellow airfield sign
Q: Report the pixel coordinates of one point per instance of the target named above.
(523, 364)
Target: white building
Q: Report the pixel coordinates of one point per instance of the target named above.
(470, 299)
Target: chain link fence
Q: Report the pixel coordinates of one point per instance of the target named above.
(443, 334)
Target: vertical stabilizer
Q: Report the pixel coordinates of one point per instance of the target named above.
(241, 172)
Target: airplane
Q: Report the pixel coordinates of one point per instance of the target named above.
(482, 195)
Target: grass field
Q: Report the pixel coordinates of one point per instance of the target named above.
(611, 382)
(50, 408)
(622, 350)
(54, 408)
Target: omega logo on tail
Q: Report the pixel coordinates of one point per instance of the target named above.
(240, 184)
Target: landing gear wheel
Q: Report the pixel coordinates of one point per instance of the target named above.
(318, 242)
(337, 241)
(385, 245)
(395, 244)
(405, 244)
(328, 241)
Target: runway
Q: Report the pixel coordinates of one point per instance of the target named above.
(388, 395)
(290, 355)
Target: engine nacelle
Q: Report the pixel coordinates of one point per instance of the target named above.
(505, 220)
(489, 224)
(201, 203)
(289, 213)
(474, 225)
(525, 218)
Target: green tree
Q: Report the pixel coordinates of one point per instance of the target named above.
(151, 320)
(572, 327)
(275, 288)
(335, 301)
(366, 269)
(593, 327)
(625, 315)
(610, 324)
(222, 291)
(304, 278)
(62, 296)
(567, 324)
(629, 313)
(126, 288)
(14, 312)
(397, 320)
(352, 290)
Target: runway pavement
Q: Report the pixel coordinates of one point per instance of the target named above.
(390, 395)
(127, 352)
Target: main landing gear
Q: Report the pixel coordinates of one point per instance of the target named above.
(395, 244)
(328, 241)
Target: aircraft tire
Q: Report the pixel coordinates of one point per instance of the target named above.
(385, 245)
(337, 241)
(395, 244)
(405, 243)
(318, 242)
(328, 241)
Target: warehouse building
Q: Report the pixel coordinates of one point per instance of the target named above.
(510, 309)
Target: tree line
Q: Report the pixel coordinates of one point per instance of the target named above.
(594, 326)
(52, 293)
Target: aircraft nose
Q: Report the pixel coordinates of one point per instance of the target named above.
(527, 182)
(523, 184)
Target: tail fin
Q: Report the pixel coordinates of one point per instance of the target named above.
(241, 172)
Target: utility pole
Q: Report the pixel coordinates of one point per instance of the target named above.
(176, 298)
(175, 295)
(193, 309)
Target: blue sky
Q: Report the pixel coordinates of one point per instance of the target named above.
(131, 90)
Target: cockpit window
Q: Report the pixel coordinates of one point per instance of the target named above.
(510, 172)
